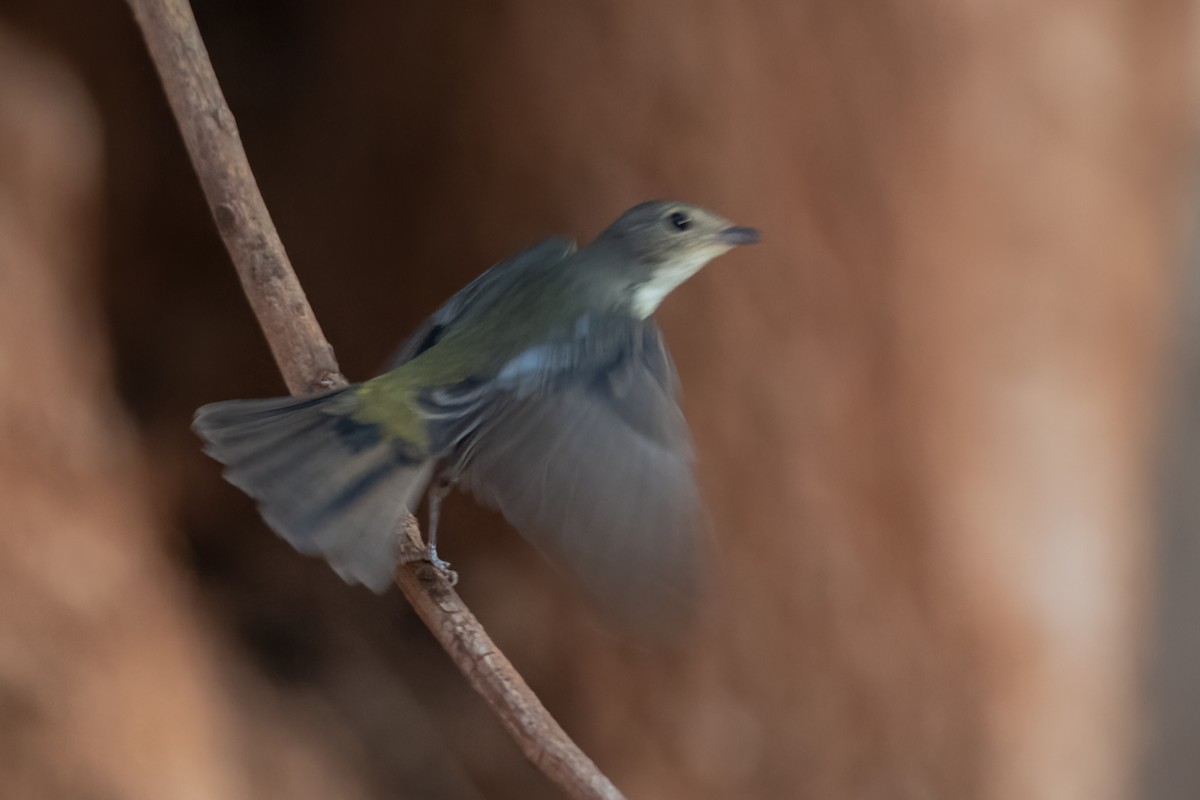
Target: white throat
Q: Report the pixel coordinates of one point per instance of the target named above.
(648, 296)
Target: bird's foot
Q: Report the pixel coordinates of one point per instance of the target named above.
(442, 566)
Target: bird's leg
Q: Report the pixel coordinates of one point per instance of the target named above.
(437, 492)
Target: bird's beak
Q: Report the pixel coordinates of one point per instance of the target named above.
(738, 235)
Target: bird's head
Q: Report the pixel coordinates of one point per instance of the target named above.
(663, 243)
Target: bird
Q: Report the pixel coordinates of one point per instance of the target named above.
(544, 389)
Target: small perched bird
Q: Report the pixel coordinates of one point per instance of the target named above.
(543, 387)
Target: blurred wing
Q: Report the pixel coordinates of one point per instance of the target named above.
(427, 334)
(586, 452)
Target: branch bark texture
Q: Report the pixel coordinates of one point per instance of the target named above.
(492, 675)
(210, 132)
(307, 363)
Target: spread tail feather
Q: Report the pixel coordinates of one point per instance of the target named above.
(329, 484)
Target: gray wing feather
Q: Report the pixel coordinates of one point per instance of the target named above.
(552, 249)
(594, 466)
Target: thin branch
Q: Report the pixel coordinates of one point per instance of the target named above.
(540, 737)
(210, 132)
(307, 363)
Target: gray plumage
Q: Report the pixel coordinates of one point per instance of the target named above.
(544, 389)
(328, 485)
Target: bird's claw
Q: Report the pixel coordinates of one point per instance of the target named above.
(443, 568)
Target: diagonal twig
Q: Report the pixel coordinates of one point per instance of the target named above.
(307, 363)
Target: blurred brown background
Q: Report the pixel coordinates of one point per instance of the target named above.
(946, 415)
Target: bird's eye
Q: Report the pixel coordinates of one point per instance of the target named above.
(680, 221)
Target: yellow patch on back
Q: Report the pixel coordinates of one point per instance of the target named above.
(390, 402)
